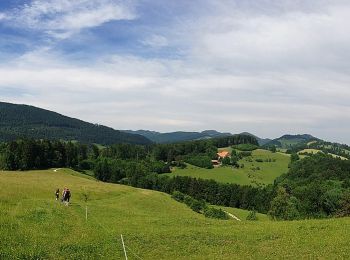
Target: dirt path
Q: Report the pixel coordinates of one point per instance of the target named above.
(232, 216)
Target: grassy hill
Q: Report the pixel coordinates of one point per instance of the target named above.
(303, 153)
(253, 172)
(18, 121)
(288, 141)
(34, 226)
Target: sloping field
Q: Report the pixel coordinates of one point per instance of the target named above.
(313, 151)
(252, 173)
(34, 226)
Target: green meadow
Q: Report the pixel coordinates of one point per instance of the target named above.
(253, 172)
(314, 151)
(35, 226)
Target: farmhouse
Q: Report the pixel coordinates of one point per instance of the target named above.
(215, 163)
(223, 154)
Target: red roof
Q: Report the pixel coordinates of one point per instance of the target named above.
(223, 154)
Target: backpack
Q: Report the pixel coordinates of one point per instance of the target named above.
(67, 195)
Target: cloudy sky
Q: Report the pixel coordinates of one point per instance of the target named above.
(269, 67)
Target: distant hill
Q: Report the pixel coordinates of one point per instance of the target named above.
(288, 141)
(179, 136)
(261, 141)
(28, 121)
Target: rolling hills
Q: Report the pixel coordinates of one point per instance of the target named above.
(154, 226)
(18, 121)
(182, 136)
(179, 136)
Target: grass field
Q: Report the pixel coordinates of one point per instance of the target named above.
(267, 173)
(34, 226)
(313, 151)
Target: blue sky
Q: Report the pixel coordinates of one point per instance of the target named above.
(268, 67)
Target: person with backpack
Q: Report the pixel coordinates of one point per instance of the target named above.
(67, 196)
(57, 194)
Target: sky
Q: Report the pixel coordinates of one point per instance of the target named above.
(269, 67)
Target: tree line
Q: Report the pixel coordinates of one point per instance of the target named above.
(28, 154)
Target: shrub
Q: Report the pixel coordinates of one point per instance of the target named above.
(197, 205)
(284, 206)
(211, 212)
(252, 216)
(245, 154)
(179, 163)
(226, 161)
(188, 200)
(344, 210)
(259, 160)
(159, 167)
(179, 196)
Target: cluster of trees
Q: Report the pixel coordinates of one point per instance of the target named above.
(230, 195)
(200, 160)
(245, 147)
(316, 186)
(115, 170)
(199, 206)
(127, 152)
(30, 154)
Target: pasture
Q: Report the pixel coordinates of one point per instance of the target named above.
(35, 226)
(314, 151)
(253, 172)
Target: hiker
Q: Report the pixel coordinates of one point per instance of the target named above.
(63, 194)
(67, 196)
(57, 194)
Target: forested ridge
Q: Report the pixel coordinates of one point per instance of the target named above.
(179, 136)
(19, 121)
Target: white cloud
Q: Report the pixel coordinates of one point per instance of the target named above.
(263, 42)
(62, 18)
(156, 41)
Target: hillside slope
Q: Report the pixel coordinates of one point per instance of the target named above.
(288, 141)
(154, 226)
(28, 121)
(254, 173)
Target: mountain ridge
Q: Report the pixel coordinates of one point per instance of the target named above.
(178, 136)
(25, 121)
